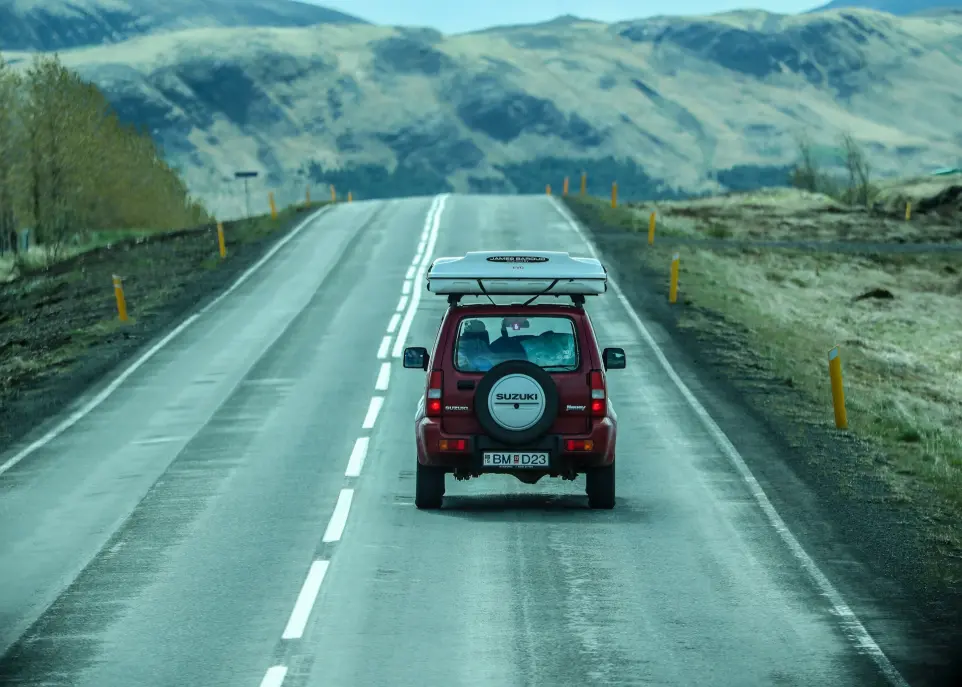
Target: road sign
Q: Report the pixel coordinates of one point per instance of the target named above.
(247, 196)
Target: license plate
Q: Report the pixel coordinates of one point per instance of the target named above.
(516, 459)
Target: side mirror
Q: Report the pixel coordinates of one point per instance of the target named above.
(416, 358)
(614, 358)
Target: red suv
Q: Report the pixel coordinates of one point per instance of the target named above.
(516, 388)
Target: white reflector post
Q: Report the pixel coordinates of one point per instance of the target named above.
(517, 273)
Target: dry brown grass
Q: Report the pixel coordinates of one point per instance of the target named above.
(901, 355)
(902, 360)
(788, 214)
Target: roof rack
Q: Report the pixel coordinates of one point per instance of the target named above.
(576, 299)
(517, 273)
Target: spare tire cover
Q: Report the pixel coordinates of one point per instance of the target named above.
(516, 402)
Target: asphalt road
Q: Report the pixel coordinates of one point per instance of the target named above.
(240, 511)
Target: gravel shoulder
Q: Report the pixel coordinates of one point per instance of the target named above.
(757, 323)
(60, 334)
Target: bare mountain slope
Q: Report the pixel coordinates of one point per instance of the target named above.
(662, 105)
(63, 24)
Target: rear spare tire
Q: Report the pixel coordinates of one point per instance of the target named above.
(516, 402)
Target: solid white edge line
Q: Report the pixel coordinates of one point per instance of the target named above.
(383, 377)
(392, 325)
(358, 454)
(383, 348)
(305, 600)
(78, 415)
(422, 269)
(851, 625)
(372, 410)
(401, 304)
(274, 677)
(338, 521)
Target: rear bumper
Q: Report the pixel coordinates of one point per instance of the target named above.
(429, 434)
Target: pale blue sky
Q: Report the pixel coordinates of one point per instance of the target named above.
(454, 16)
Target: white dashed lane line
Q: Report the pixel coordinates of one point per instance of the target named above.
(407, 305)
(335, 528)
(274, 677)
(305, 601)
(372, 411)
(424, 262)
(358, 454)
(383, 377)
(383, 348)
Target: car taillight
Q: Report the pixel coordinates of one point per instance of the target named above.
(579, 445)
(599, 403)
(452, 444)
(433, 400)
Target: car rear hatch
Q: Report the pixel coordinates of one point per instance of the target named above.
(458, 397)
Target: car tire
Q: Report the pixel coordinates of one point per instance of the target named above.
(483, 412)
(428, 487)
(600, 486)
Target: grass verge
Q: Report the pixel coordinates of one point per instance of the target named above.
(895, 316)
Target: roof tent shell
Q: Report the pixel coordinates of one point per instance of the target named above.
(517, 273)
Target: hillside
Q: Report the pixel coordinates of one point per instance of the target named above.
(65, 24)
(665, 106)
(898, 7)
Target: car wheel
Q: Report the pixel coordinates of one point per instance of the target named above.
(429, 487)
(600, 486)
(516, 402)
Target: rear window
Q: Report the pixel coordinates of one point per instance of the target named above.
(547, 341)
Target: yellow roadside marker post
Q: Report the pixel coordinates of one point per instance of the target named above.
(270, 197)
(838, 389)
(333, 194)
(673, 286)
(547, 190)
(221, 243)
(584, 183)
(565, 188)
(121, 301)
(614, 194)
(908, 211)
(308, 197)
(350, 196)
(651, 229)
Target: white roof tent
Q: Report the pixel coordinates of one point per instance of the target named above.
(517, 273)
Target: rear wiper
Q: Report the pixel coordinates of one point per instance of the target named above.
(557, 368)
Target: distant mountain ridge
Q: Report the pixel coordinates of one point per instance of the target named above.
(49, 25)
(896, 7)
(666, 106)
